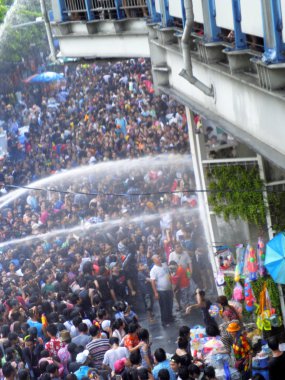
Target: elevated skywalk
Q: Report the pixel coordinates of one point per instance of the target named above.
(102, 28)
(237, 48)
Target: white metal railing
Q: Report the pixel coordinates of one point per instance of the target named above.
(198, 11)
(248, 9)
(175, 8)
(224, 14)
(99, 5)
(131, 4)
(75, 5)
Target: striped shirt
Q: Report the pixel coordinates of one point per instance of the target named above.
(97, 349)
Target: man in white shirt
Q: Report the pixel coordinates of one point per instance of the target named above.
(115, 353)
(180, 257)
(162, 289)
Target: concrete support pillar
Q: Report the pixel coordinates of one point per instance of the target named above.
(195, 148)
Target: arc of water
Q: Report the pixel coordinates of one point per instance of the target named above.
(8, 17)
(103, 168)
(100, 226)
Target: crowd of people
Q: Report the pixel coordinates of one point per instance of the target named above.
(77, 252)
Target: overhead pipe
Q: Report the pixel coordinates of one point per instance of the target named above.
(187, 72)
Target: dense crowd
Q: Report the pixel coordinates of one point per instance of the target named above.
(97, 240)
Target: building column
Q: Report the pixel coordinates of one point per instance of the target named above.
(195, 148)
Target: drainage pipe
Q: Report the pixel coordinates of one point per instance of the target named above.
(187, 72)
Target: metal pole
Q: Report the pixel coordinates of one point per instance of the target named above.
(48, 30)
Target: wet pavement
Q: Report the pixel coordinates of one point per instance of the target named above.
(166, 337)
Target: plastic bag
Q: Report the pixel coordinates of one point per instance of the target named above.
(238, 292)
(240, 252)
(250, 300)
(220, 279)
(225, 257)
(261, 257)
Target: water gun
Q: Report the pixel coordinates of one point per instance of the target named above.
(261, 257)
(252, 264)
(240, 251)
(237, 273)
(238, 292)
(249, 296)
(44, 320)
(188, 272)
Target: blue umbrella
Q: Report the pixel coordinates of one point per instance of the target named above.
(46, 77)
(275, 258)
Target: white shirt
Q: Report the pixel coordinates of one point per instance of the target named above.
(182, 259)
(161, 276)
(112, 355)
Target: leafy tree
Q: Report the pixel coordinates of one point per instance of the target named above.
(3, 9)
(25, 41)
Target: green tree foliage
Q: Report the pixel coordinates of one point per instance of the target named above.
(3, 10)
(276, 201)
(257, 287)
(23, 42)
(236, 192)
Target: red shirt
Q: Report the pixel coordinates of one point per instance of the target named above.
(180, 278)
(53, 346)
(131, 341)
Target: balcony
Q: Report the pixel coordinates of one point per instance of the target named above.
(101, 28)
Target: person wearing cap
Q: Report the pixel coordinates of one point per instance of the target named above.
(175, 364)
(106, 328)
(120, 366)
(241, 349)
(83, 359)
